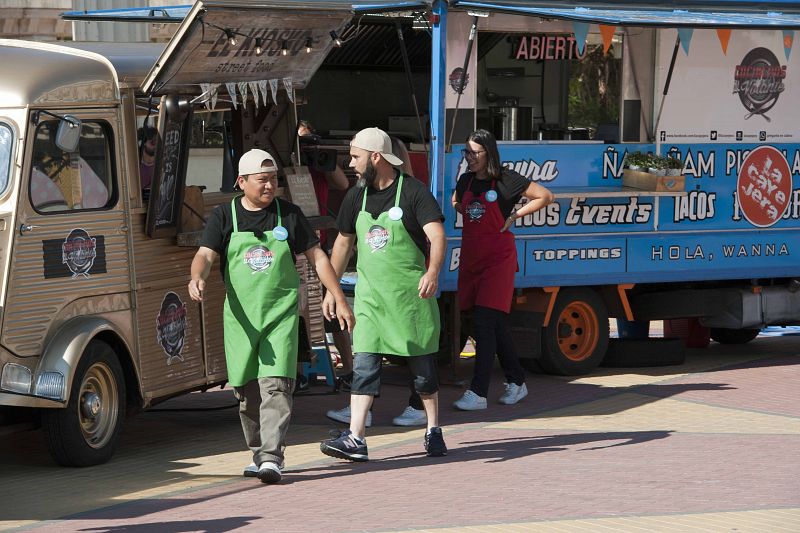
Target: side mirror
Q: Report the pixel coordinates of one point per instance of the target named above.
(69, 133)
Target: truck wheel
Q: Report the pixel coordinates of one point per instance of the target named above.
(734, 336)
(576, 340)
(86, 432)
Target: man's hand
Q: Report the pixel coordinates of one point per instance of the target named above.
(196, 288)
(333, 310)
(428, 284)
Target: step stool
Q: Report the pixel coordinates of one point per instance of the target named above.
(322, 366)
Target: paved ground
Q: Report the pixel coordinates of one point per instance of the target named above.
(711, 445)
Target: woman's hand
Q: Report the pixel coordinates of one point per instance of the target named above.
(509, 221)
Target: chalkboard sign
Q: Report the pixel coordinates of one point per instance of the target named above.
(169, 176)
(301, 190)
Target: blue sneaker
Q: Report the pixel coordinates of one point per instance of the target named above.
(345, 446)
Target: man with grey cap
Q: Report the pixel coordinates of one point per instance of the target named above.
(391, 216)
(256, 238)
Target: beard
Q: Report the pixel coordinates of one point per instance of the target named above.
(367, 178)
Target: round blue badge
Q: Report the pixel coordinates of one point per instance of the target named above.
(491, 196)
(280, 233)
(396, 213)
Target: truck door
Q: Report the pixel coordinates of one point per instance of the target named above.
(70, 252)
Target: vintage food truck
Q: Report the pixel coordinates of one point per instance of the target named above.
(96, 319)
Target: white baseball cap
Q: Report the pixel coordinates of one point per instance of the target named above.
(376, 140)
(256, 161)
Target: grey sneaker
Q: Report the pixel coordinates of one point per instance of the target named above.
(513, 393)
(470, 402)
(269, 472)
(346, 446)
(411, 417)
(250, 470)
(343, 415)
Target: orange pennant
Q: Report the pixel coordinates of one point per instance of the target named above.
(608, 35)
(724, 36)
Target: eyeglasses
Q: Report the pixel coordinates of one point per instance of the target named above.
(470, 154)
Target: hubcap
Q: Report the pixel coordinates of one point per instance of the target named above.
(578, 331)
(99, 405)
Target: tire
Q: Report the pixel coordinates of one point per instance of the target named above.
(640, 353)
(734, 336)
(75, 436)
(576, 340)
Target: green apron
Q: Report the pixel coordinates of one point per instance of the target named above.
(391, 318)
(260, 314)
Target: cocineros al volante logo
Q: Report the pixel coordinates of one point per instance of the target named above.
(171, 327)
(377, 237)
(259, 258)
(475, 210)
(79, 252)
(759, 81)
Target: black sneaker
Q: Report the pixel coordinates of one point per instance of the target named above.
(345, 446)
(434, 443)
(301, 384)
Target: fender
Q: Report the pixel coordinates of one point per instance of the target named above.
(63, 353)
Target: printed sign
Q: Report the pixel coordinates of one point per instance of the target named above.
(79, 255)
(171, 327)
(548, 46)
(301, 190)
(764, 186)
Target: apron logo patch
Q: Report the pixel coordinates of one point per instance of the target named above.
(377, 237)
(475, 210)
(259, 258)
(171, 327)
(79, 252)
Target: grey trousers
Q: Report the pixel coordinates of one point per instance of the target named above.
(265, 407)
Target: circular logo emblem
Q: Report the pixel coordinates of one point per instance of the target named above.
(259, 258)
(79, 252)
(396, 213)
(475, 210)
(377, 237)
(455, 80)
(491, 195)
(171, 327)
(764, 186)
(758, 81)
(280, 233)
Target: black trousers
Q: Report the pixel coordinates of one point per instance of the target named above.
(490, 327)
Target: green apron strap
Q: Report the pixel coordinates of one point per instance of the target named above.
(399, 188)
(233, 215)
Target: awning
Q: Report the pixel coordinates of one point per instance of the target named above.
(746, 15)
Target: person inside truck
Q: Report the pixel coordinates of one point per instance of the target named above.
(256, 238)
(414, 413)
(485, 196)
(396, 312)
(148, 143)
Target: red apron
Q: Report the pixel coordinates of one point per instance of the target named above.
(488, 258)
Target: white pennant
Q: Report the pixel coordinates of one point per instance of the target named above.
(205, 93)
(254, 89)
(287, 84)
(262, 87)
(243, 91)
(214, 93)
(231, 86)
(273, 87)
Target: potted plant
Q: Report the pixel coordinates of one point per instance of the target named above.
(674, 166)
(636, 161)
(656, 165)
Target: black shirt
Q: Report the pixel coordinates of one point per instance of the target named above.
(418, 205)
(217, 233)
(509, 186)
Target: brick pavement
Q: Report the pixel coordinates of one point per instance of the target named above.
(707, 446)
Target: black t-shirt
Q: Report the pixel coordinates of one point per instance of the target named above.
(418, 205)
(509, 187)
(217, 233)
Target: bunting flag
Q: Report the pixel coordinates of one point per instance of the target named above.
(262, 88)
(273, 87)
(205, 93)
(287, 84)
(243, 91)
(580, 29)
(685, 35)
(608, 36)
(231, 86)
(254, 89)
(788, 41)
(214, 92)
(724, 36)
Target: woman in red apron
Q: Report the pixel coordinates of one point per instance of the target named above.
(486, 196)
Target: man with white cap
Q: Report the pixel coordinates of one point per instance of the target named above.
(256, 238)
(390, 216)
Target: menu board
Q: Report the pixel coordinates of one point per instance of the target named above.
(169, 176)
(301, 190)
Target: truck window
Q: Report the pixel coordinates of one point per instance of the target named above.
(6, 144)
(83, 180)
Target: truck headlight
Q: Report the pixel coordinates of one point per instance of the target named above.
(50, 385)
(16, 378)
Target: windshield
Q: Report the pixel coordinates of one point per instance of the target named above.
(6, 142)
